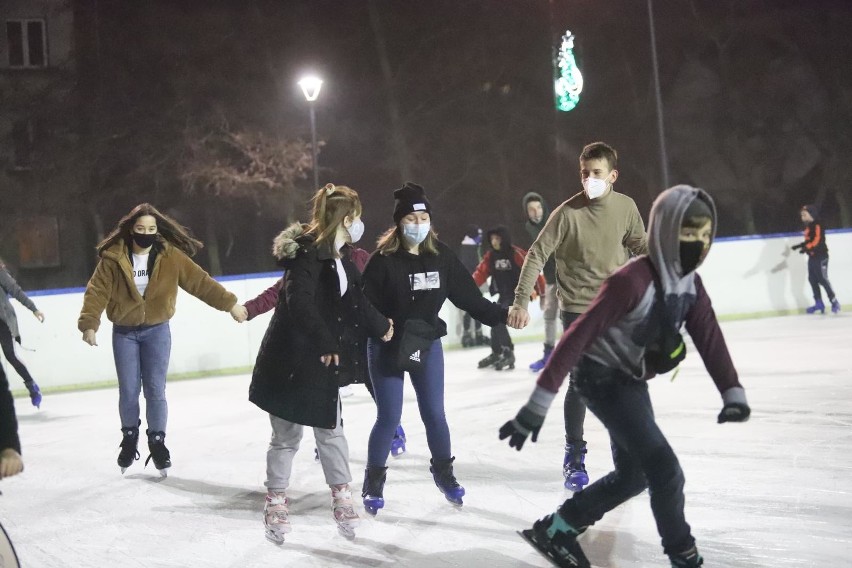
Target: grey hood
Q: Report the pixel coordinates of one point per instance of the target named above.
(663, 236)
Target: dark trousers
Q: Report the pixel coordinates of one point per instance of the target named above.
(7, 342)
(467, 320)
(500, 334)
(574, 408)
(818, 276)
(428, 385)
(640, 453)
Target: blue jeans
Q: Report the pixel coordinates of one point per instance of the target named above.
(141, 360)
(640, 453)
(388, 386)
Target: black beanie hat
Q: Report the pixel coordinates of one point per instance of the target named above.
(409, 198)
(812, 210)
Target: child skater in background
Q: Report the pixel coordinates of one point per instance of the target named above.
(815, 247)
(9, 334)
(630, 333)
(315, 343)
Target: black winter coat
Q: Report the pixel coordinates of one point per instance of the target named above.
(311, 319)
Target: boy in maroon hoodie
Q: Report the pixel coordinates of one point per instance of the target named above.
(629, 334)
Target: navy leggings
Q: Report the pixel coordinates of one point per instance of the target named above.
(818, 276)
(388, 386)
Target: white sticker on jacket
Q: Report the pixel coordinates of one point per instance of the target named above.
(426, 281)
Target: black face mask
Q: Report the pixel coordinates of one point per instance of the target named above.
(691, 254)
(144, 241)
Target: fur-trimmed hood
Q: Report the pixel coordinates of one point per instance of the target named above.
(284, 245)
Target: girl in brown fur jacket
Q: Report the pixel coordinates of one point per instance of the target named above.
(142, 263)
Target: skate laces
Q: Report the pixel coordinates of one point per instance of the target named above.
(277, 508)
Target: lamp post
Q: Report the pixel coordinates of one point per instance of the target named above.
(311, 88)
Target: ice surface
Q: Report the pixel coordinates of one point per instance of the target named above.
(774, 492)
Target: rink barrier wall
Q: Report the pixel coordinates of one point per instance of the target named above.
(746, 277)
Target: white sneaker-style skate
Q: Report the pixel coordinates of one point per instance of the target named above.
(276, 516)
(343, 509)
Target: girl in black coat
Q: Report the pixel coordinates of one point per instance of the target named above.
(408, 279)
(315, 343)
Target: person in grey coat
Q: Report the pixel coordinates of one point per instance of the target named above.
(9, 333)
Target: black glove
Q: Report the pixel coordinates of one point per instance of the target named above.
(798, 246)
(734, 412)
(520, 427)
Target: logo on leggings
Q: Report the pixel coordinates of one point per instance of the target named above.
(415, 356)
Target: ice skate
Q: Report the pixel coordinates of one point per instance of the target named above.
(574, 466)
(817, 307)
(556, 540)
(128, 445)
(343, 510)
(276, 516)
(467, 339)
(373, 489)
(398, 442)
(35, 392)
(506, 360)
(159, 452)
(442, 473)
(537, 366)
(489, 361)
(835, 309)
(688, 559)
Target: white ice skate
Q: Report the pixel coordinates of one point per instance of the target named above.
(343, 509)
(276, 517)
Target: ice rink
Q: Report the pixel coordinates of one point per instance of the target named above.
(773, 492)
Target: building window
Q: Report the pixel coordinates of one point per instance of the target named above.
(27, 43)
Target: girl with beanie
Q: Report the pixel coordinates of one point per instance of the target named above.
(814, 246)
(408, 279)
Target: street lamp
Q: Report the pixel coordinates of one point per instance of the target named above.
(311, 88)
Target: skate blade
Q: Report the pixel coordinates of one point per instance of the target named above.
(274, 536)
(164, 472)
(347, 531)
(123, 469)
(570, 562)
(396, 452)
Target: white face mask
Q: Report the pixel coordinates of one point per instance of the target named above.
(415, 233)
(356, 230)
(594, 187)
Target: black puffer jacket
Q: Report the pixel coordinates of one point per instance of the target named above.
(311, 320)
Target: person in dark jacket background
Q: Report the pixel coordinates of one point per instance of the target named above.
(502, 263)
(408, 279)
(315, 344)
(537, 212)
(815, 247)
(9, 334)
(470, 254)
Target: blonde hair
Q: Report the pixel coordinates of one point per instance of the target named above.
(168, 230)
(391, 241)
(331, 204)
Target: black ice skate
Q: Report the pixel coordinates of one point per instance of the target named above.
(556, 540)
(128, 445)
(489, 361)
(159, 452)
(506, 360)
(688, 559)
(373, 489)
(442, 473)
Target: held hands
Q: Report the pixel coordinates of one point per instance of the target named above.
(518, 317)
(734, 412)
(520, 427)
(39, 316)
(10, 463)
(387, 337)
(239, 313)
(89, 337)
(330, 359)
